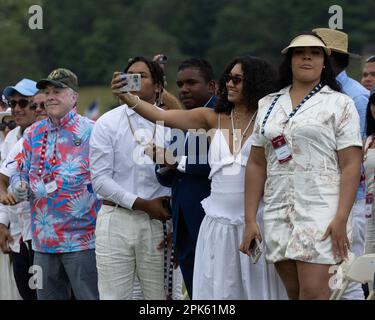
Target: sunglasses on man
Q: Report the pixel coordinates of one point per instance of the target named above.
(235, 79)
(23, 103)
(35, 106)
(10, 124)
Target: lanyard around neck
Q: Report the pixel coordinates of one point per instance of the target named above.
(313, 91)
(43, 154)
(134, 133)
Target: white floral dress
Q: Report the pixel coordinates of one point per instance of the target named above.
(301, 196)
(369, 165)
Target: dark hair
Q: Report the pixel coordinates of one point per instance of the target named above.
(202, 65)
(341, 59)
(286, 76)
(370, 121)
(259, 80)
(156, 71)
(370, 59)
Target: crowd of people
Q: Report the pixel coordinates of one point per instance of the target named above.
(161, 194)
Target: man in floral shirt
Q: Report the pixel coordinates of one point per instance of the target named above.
(63, 206)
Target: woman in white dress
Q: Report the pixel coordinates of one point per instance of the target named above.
(220, 270)
(306, 159)
(369, 165)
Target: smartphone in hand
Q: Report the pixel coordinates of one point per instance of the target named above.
(133, 82)
(256, 250)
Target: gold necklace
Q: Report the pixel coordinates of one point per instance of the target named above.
(237, 149)
(134, 135)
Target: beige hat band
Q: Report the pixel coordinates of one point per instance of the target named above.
(306, 41)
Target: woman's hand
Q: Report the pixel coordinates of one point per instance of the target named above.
(251, 231)
(125, 97)
(340, 241)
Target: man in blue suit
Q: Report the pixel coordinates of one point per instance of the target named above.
(188, 176)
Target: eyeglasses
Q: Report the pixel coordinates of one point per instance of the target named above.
(35, 106)
(11, 125)
(235, 79)
(23, 103)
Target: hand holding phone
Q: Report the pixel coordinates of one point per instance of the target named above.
(133, 82)
(256, 250)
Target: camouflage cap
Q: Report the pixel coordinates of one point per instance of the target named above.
(61, 78)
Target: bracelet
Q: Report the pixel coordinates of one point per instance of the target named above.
(138, 101)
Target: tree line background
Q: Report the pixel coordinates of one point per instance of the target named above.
(96, 37)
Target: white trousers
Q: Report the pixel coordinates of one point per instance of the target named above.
(126, 245)
(8, 288)
(176, 287)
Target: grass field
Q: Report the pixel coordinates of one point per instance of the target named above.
(102, 94)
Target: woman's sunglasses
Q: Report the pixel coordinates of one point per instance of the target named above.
(23, 103)
(235, 79)
(10, 124)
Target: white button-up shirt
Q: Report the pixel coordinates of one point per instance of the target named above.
(120, 169)
(10, 140)
(17, 216)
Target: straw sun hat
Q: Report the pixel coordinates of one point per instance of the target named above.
(306, 40)
(335, 40)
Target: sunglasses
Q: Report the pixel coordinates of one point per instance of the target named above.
(235, 79)
(11, 125)
(35, 106)
(23, 103)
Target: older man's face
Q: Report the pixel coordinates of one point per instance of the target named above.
(59, 101)
(24, 115)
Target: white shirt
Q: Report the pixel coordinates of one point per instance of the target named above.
(120, 171)
(17, 216)
(10, 140)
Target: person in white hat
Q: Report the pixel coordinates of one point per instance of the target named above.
(3, 102)
(19, 98)
(7, 124)
(306, 159)
(337, 41)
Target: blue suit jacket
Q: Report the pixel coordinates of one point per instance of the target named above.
(189, 188)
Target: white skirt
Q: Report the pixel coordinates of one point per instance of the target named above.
(222, 272)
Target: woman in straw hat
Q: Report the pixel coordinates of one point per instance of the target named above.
(306, 158)
(220, 270)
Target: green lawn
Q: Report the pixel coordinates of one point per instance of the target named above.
(102, 94)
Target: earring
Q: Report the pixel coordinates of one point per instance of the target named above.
(158, 99)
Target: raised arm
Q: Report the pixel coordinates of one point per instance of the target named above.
(182, 119)
(255, 178)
